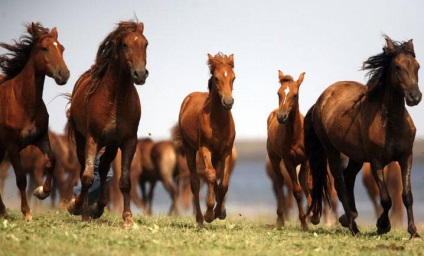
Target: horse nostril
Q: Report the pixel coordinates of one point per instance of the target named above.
(135, 74)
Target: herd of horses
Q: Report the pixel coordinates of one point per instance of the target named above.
(318, 155)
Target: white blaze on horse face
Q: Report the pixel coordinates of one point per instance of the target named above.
(286, 92)
(135, 38)
(55, 44)
(225, 73)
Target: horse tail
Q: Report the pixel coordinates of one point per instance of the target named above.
(177, 137)
(318, 166)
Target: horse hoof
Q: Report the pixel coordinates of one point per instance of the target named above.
(315, 219)
(71, 208)
(280, 223)
(95, 211)
(416, 237)
(344, 221)
(40, 194)
(208, 217)
(128, 220)
(222, 215)
(381, 229)
(28, 217)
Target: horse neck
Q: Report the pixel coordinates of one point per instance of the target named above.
(29, 86)
(294, 122)
(392, 104)
(217, 112)
(118, 82)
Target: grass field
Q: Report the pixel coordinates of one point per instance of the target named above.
(58, 233)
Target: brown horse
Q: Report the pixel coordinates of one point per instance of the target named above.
(206, 125)
(160, 163)
(285, 144)
(393, 179)
(23, 114)
(105, 112)
(367, 124)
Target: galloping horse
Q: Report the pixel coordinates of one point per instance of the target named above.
(206, 126)
(23, 115)
(105, 112)
(367, 124)
(285, 144)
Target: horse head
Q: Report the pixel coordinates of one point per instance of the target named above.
(133, 48)
(48, 55)
(222, 79)
(288, 95)
(404, 70)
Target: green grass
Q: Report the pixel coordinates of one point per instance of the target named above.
(59, 233)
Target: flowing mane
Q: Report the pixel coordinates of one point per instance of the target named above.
(13, 62)
(378, 65)
(218, 59)
(108, 49)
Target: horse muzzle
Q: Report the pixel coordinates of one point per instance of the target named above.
(282, 118)
(140, 76)
(413, 97)
(227, 103)
(62, 76)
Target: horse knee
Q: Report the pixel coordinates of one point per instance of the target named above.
(87, 180)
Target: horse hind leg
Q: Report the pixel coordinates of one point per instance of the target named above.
(195, 183)
(3, 212)
(347, 220)
(350, 173)
(42, 192)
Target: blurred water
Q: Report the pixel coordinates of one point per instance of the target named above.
(250, 195)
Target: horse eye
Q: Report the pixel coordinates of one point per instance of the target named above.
(397, 68)
(295, 96)
(44, 49)
(124, 46)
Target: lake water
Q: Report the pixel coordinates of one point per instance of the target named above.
(250, 195)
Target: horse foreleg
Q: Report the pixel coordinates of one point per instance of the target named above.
(211, 179)
(350, 173)
(297, 190)
(224, 168)
(405, 166)
(103, 169)
(383, 222)
(150, 197)
(42, 192)
(128, 150)
(279, 181)
(21, 182)
(86, 152)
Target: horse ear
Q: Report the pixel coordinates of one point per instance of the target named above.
(410, 46)
(389, 48)
(280, 75)
(54, 33)
(210, 57)
(231, 61)
(300, 79)
(140, 27)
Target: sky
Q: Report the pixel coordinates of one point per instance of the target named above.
(329, 40)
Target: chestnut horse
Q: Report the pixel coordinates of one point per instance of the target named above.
(366, 123)
(285, 143)
(23, 115)
(206, 126)
(105, 112)
(392, 176)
